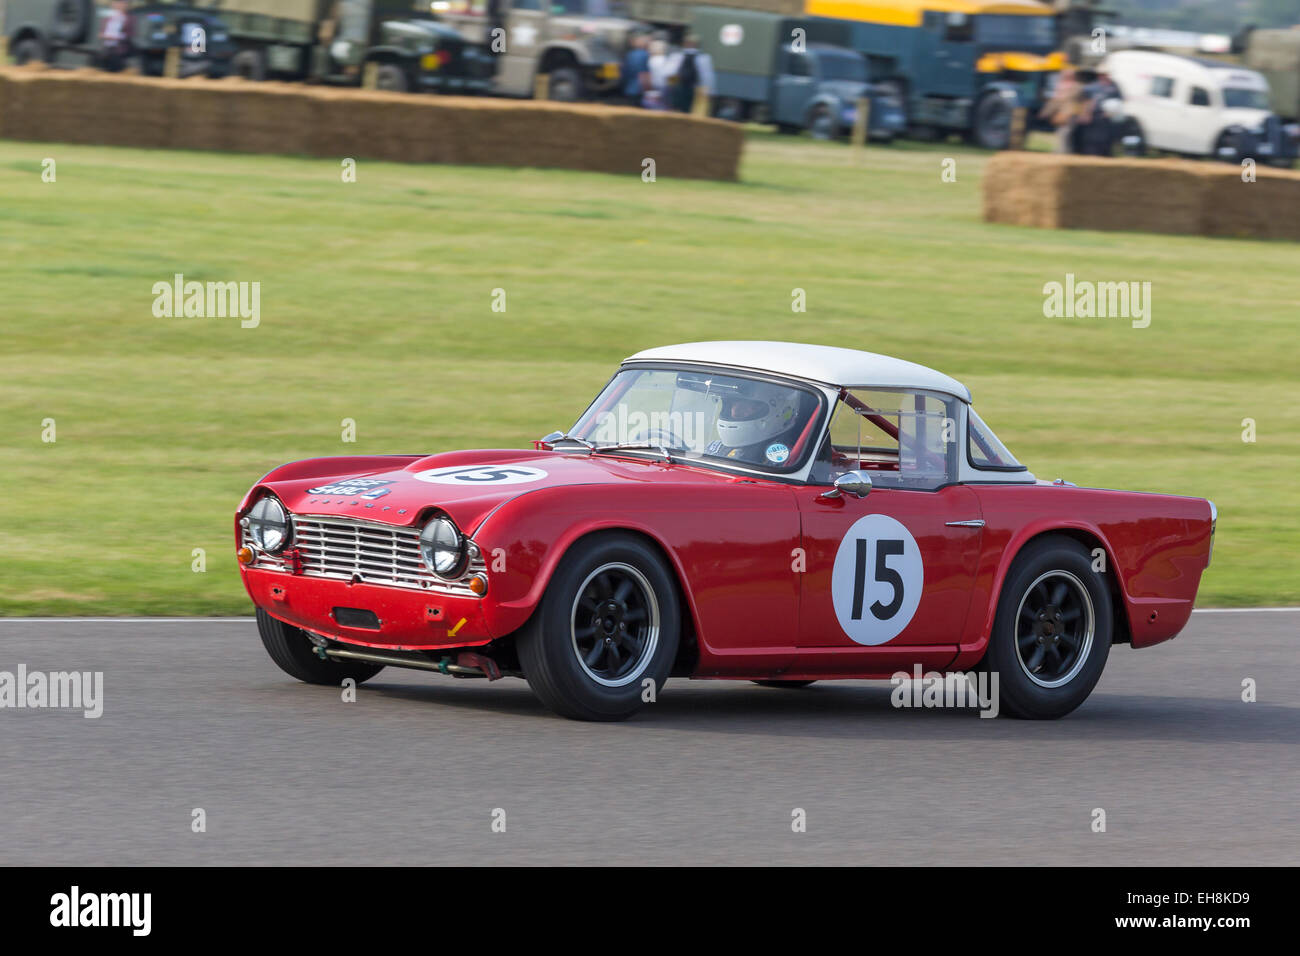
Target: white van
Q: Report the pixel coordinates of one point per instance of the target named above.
(1198, 108)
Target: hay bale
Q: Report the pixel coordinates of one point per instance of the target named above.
(1147, 195)
(232, 114)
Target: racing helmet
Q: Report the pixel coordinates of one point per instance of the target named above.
(763, 413)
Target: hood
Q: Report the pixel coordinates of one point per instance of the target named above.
(1245, 117)
(1018, 62)
(467, 485)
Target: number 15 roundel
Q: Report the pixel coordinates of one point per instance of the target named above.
(877, 581)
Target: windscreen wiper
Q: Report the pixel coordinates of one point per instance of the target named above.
(635, 446)
(590, 446)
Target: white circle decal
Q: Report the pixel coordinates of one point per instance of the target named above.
(470, 475)
(877, 580)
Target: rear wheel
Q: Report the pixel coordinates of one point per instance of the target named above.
(609, 621)
(1052, 632)
(295, 654)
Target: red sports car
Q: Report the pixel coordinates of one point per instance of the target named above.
(756, 511)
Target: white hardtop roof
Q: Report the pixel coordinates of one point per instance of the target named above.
(816, 363)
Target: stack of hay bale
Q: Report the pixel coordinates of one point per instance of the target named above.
(86, 106)
(1147, 195)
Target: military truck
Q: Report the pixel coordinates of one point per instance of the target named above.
(1276, 54)
(961, 66)
(578, 45)
(763, 72)
(342, 41)
(65, 33)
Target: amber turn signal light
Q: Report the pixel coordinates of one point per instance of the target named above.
(245, 555)
(478, 584)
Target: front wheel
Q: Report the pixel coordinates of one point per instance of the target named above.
(391, 77)
(608, 624)
(565, 85)
(992, 128)
(1052, 632)
(28, 51)
(294, 653)
(822, 124)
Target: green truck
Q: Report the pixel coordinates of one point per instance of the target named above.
(66, 33)
(763, 73)
(401, 45)
(450, 46)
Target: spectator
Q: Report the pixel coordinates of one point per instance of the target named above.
(655, 96)
(1062, 110)
(1097, 133)
(636, 68)
(691, 70)
(115, 37)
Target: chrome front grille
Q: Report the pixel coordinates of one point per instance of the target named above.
(376, 553)
(368, 551)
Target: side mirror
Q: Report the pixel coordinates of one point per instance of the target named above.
(855, 483)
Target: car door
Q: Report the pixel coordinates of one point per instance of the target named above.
(793, 89)
(888, 577)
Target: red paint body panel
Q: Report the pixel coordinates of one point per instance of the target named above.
(732, 544)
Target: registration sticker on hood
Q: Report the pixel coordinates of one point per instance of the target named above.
(369, 488)
(481, 475)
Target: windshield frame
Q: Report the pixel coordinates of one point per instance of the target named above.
(795, 471)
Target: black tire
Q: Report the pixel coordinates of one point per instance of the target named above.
(250, 64)
(564, 85)
(1133, 139)
(788, 684)
(1234, 141)
(73, 20)
(822, 124)
(294, 654)
(610, 619)
(28, 51)
(1046, 663)
(991, 128)
(730, 109)
(391, 77)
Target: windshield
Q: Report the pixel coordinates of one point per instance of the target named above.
(837, 66)
(711, 417)
(1012, 32)
(1235, 97)
(590, 8)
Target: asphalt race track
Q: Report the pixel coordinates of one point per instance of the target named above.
(196, 715)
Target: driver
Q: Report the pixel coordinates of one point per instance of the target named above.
(757, 428)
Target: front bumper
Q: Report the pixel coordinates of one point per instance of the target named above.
(407, 619)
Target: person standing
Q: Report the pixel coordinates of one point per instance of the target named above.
(694, 70)
(655, 95)
(1062, 110)
(115, 37)
(636, 68)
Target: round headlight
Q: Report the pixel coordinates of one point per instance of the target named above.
(268, 525)
(443, 548)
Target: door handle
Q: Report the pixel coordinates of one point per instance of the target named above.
(972, 523)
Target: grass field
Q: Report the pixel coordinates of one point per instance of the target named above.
(376, 306)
